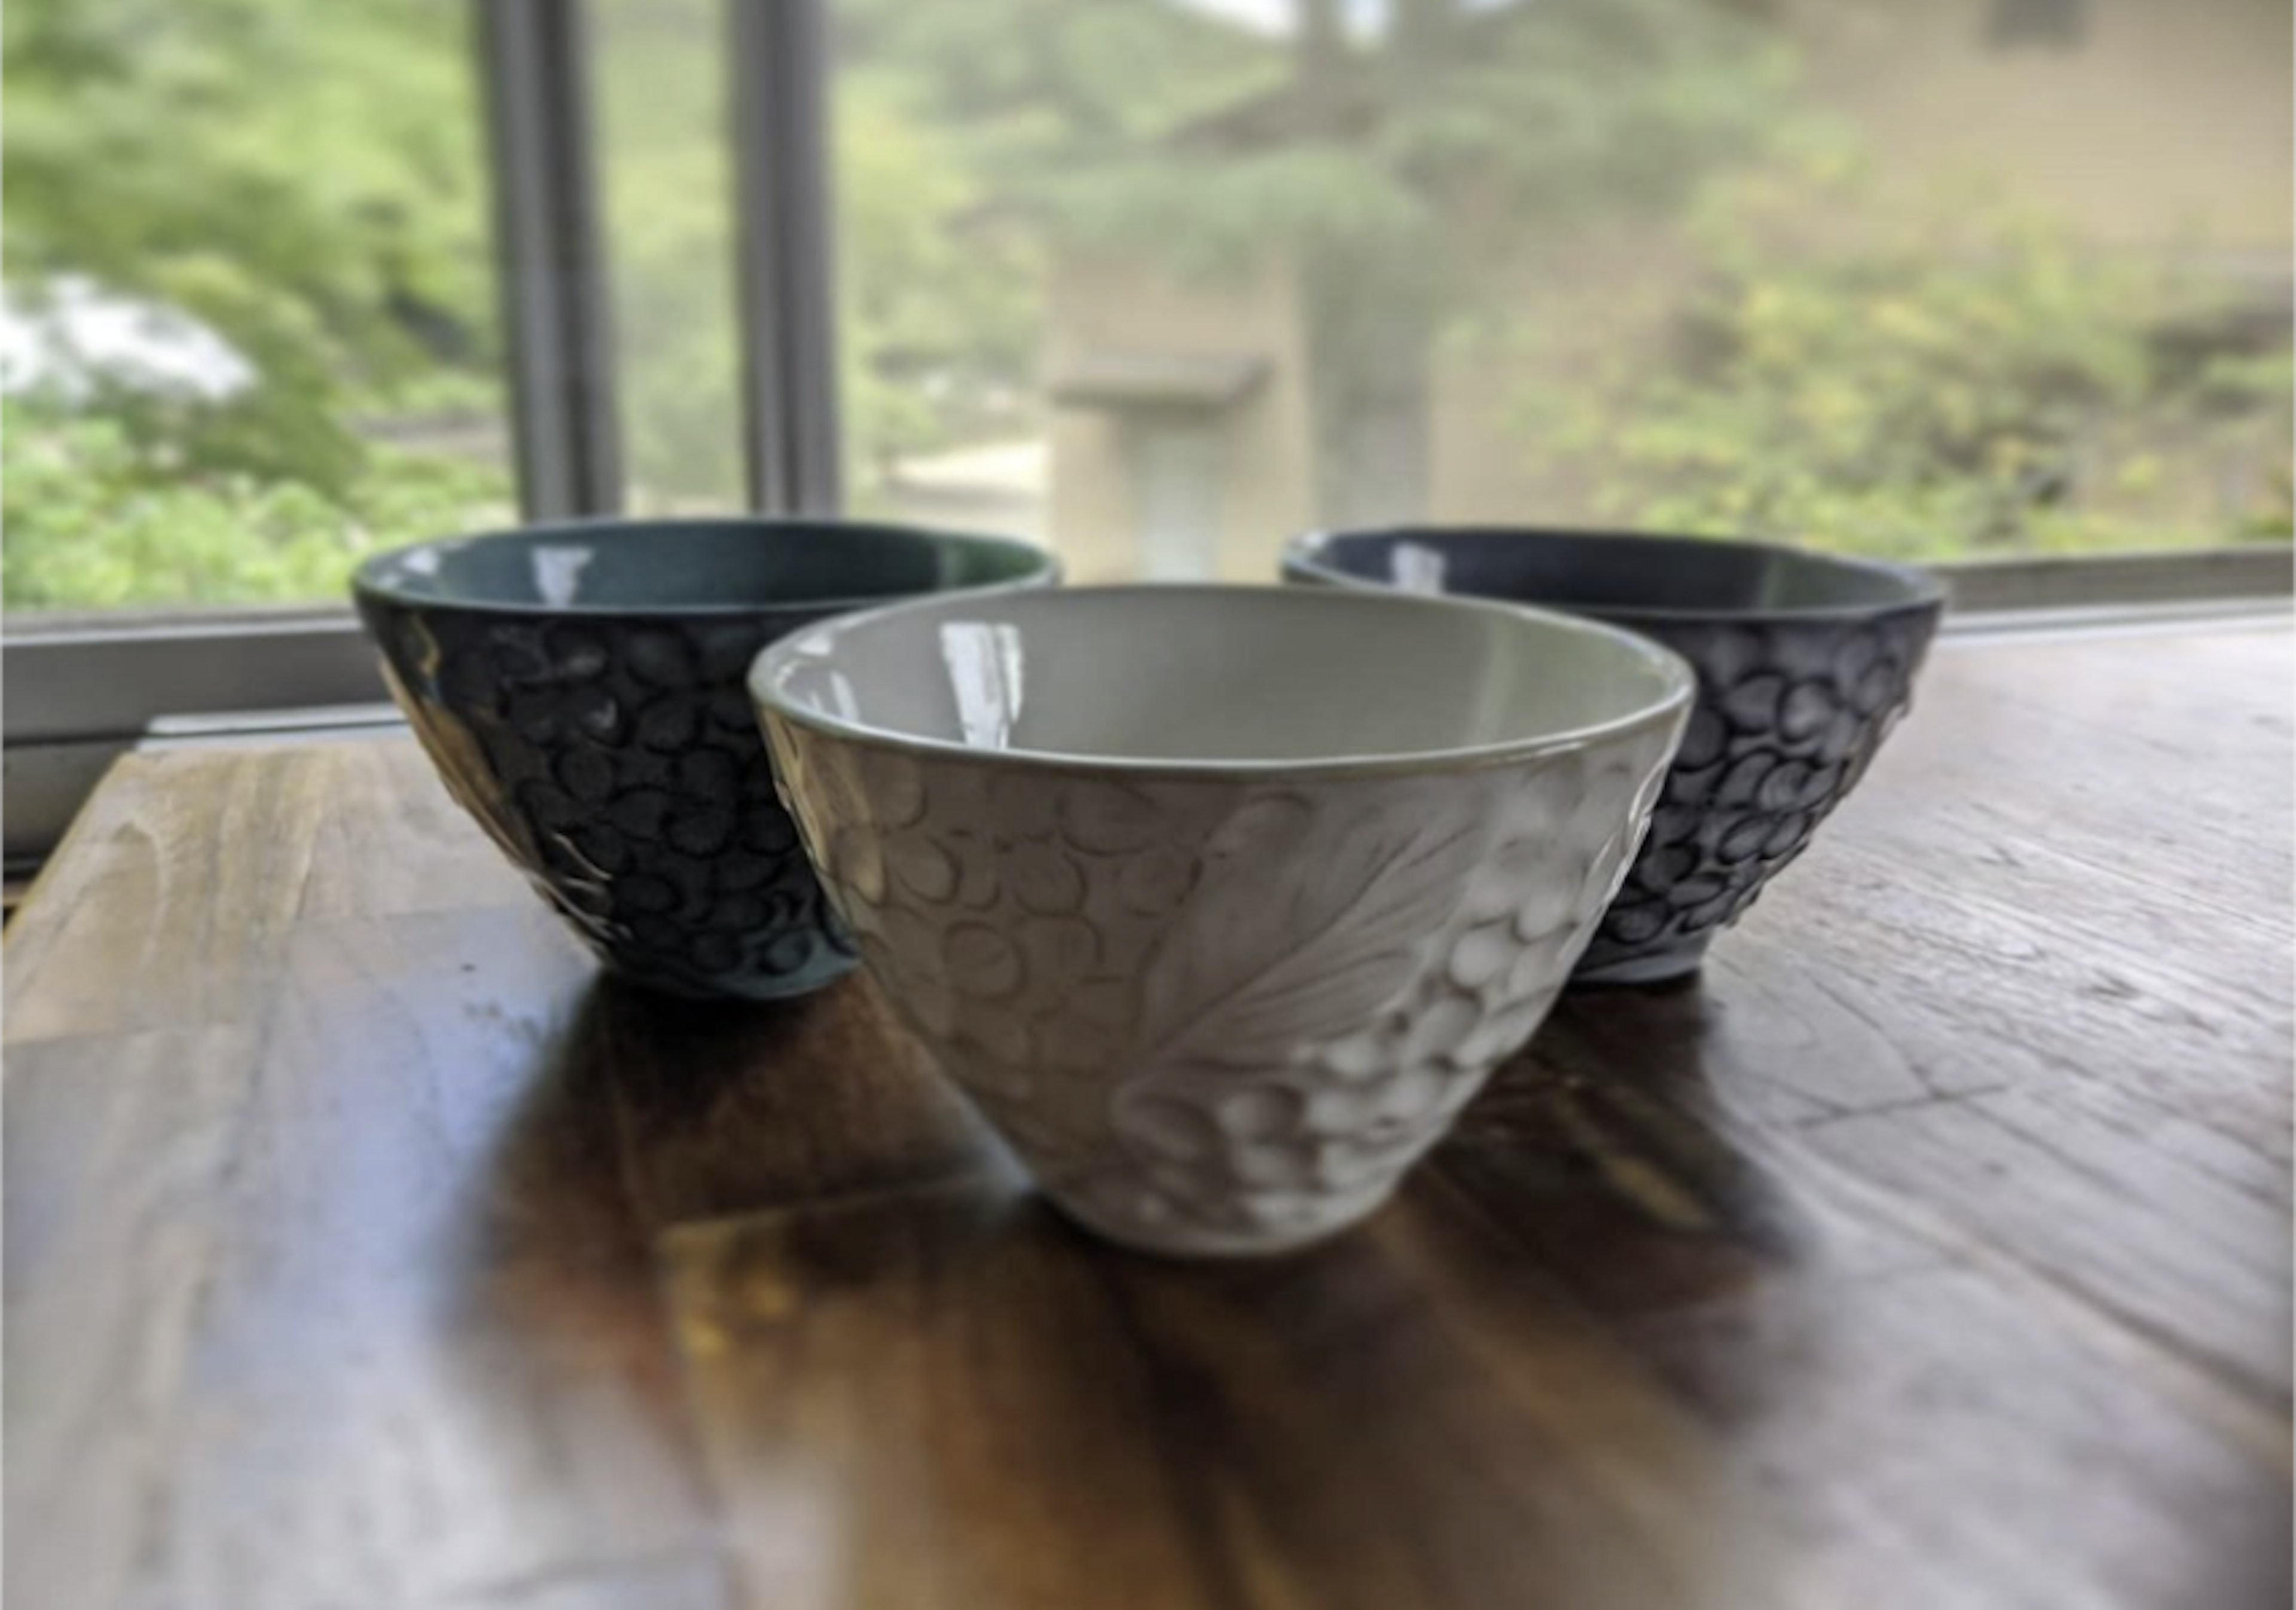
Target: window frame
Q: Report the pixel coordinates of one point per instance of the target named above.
(78, 691)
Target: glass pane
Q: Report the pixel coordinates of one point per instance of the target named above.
(248, 330)
(1168, 280)
(664, 168)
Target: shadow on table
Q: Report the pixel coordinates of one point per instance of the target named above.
(562, 1252)
(969, 1390)
(1603, 1147)
(648, 1113)
(770, 1229)
(1598, 1152)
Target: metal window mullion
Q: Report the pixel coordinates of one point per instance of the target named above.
(777, 94)
(551, 278)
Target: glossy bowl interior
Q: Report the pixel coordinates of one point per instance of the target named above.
(1616, 575)
(699, 567)
(1222, 678)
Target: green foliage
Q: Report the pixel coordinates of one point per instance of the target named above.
(938, 315)
(1025, 84)
(306, 183)
(93, 523)
(1140, 126)
(939, 318)
(1924, 377)
(1507, 125)
(1385, 175)
(953, 123)
(665, 184)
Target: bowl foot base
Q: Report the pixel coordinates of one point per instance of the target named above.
(1186, 1241)
(807, 981)
(1677, 965)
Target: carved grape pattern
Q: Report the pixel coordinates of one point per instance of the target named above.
(618, 763)
(1789, 715)
(1213, 1016)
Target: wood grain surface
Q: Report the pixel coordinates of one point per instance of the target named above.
(364, 1248)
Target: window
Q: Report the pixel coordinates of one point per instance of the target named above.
(1947, 282)
(1159, 281)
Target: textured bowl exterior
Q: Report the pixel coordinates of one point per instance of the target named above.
(1790, 714)
(1792, 707)
(1219, 1016)
(617, 761)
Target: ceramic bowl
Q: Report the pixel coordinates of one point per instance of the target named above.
(1805, 661)
(579, 688)
(1220, 901)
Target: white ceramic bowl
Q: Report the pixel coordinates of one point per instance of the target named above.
(1220, 901)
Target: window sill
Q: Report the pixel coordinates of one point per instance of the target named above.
(83, 689)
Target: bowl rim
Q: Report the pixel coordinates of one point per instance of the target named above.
(1673, 706)
(1306, 554)
(367, 585)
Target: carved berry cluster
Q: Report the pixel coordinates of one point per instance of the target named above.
(619, 763)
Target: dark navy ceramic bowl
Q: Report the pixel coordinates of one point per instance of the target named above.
(580, 687)
(1805, 661)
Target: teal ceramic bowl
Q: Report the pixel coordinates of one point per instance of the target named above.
(580, 688)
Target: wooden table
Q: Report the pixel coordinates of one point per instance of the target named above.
(363, 1250)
